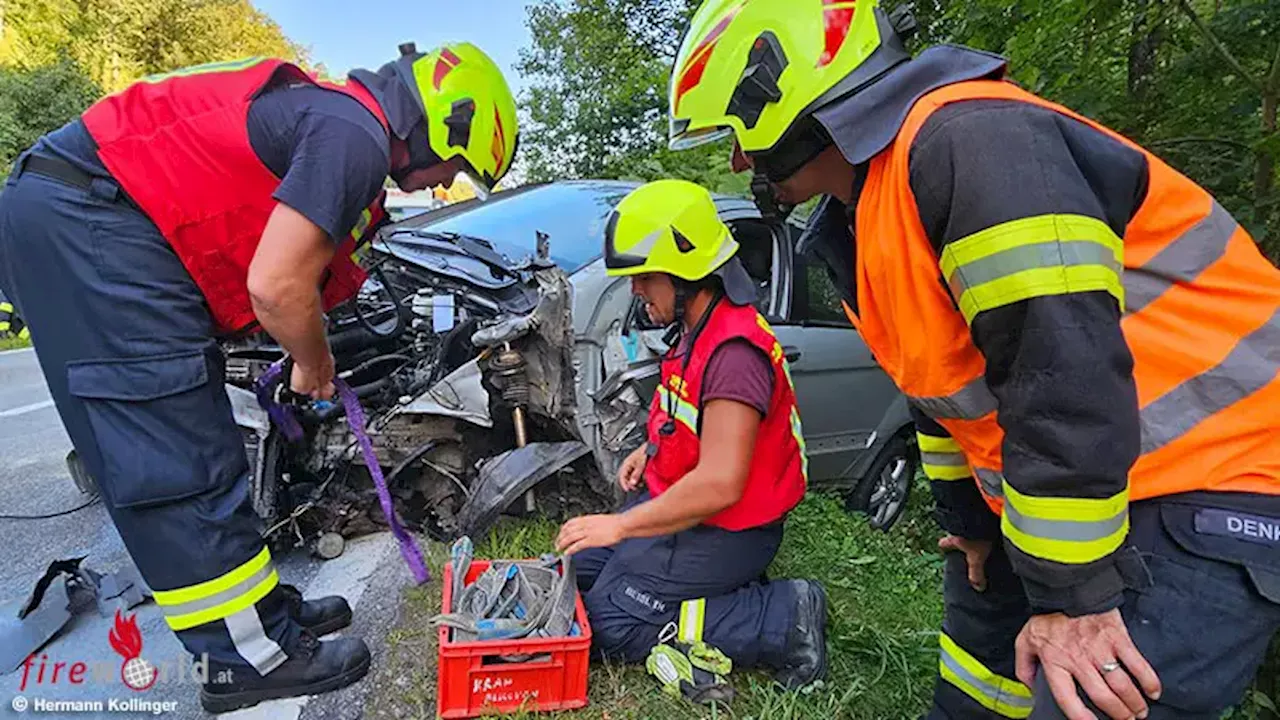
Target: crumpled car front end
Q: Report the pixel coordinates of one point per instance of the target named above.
(463, 361)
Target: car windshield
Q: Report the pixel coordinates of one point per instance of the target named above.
(573, 214)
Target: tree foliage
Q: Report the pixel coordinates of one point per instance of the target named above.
(58, 56)
(34, 101)
(597, 101)
(118, 41)
(1195, 81)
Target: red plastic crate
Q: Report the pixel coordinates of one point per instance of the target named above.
(473, 681)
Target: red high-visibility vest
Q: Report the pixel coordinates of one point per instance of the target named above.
(178, 144)
(779, 470)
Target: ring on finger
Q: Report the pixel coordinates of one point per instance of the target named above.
(1109, 667)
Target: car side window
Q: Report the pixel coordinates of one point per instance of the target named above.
(816, 300)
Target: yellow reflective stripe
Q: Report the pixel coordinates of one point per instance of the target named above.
(1004, 696)
(4, 326)
(1065, 530)
(685, 412)
(222, 596)
(941, 458)
(764, 325)
(798, 432)
(226, 609)
(212, 587)
(24, 333)
(1033, 257)
(206, 68)
(362, 224)
(6, 307)
(935, 444)
(692, 616)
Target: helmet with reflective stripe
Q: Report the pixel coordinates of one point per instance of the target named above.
(671, 226)
(471, 113)
(752, 68)
(668, 226)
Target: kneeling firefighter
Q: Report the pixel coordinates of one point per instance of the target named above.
(1090, 341)
(723, 466)
(208, 202)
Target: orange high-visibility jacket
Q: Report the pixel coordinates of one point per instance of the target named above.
(1201, 318)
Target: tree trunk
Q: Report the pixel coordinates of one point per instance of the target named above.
(1145, 34)
(1265, 171)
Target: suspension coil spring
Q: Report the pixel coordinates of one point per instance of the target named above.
(509, 365)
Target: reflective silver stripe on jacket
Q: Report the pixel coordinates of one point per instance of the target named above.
(1182, 261)
(992, 481)
(968, 403)
(1249, 367)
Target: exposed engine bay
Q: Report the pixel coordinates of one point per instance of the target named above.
(462, 359)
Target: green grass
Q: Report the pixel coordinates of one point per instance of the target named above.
(885, 610)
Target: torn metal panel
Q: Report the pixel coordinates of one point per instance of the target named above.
(506, 477)
(621, 407)
(20, 638)
(65, 588)
(460, 394)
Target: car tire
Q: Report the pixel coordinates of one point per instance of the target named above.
(882, 493)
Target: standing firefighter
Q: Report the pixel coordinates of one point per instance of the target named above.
(202, 203)
(1090, 341)
(723, 466)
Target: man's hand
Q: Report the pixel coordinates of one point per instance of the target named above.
(317, 383)
(975, 556)
(632, 470)
(1094, 651)
(590, 531)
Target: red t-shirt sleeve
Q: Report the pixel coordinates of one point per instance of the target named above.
(739, 371)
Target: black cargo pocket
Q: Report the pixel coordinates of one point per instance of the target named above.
(163, 428)
(1235, 537)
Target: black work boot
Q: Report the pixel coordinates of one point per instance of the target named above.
(313, 667)
(806, 658)
(321, 616)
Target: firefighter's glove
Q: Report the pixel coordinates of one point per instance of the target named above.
(697, 671)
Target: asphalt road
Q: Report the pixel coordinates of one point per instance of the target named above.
(34, 480)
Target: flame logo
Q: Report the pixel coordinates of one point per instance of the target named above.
(136, 673)
(125, 638)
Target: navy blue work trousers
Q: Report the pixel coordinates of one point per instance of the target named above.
(1202, 613)
(705, 583)
(125, 342)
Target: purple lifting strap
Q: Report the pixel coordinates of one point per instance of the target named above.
(288, 424)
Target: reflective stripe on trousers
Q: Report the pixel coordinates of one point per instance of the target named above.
(693, 615)
(230, 598)
(1004, 696)
(941, 458)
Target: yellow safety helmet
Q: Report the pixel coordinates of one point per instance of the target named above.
(671, 226)
(752, 68)
(470, 110)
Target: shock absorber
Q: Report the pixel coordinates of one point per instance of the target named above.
(509, 366)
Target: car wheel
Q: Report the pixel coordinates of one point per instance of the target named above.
(883, 492)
